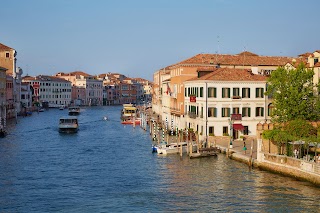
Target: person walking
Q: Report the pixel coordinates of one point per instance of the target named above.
(244, 147)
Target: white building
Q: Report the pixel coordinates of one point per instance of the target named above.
(26, 95)
(226, 102)
(49, 89)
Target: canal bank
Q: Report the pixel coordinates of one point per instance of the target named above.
(284, 165)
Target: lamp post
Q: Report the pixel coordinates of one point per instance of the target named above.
(231, 132)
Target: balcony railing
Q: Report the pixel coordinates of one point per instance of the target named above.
(192, 115)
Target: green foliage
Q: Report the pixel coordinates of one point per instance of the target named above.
(293, 94)
(211, 134)
(299, 129)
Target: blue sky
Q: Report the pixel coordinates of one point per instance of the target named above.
(139, 37)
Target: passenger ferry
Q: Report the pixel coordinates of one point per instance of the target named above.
(68, 124)
(129, 115)
(74, 110)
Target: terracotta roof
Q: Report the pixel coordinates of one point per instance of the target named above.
(231, 74)
(317, 64)
(248, 59)
(246, 53)
(44, 78)
(4, 47)
(307, 54)
(79, 73)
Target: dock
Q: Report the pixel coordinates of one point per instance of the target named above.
(204, 152)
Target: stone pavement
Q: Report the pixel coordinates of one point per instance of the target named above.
(237, 145)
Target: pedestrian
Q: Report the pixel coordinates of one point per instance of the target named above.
(244, 148)
(295, 153)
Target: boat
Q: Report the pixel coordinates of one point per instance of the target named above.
(3, 133)
(172, 148)
(41, 110)
(74, 110)
(61, 108)
(128, 111)
(129, 115)
(68, 124)
(135, 121)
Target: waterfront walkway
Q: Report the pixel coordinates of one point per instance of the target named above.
(237, 146)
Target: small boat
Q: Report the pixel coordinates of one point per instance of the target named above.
(3, 133)
(135, 121)
(41, 110)
(68, 124)
(105, 118)
(74, 110)
(172, 148)
(61, 108)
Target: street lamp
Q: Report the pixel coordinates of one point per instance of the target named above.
(231, 132)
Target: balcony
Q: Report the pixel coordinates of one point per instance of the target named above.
(236, 97)
(175, 111)
(192, 115)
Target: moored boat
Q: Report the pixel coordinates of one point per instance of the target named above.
(68, 124)
(172, 148)
(135, 121)
(74, 110)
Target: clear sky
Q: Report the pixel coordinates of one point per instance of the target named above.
(138, 37)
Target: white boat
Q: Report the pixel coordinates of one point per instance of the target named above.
(172, 148)
(68, 124)
(74, 110)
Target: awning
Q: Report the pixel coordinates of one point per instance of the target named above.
(238, 127)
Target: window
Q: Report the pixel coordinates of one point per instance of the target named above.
(7, 55)
(211, 130)
(201, 91)
(259, 92)
(270, 109)
(212, 112)
(225, 112)
(245, 92)
(235, 93)
(259, 111)
(246, 112)
(246, 130)
(225, 130)
(235, 110)
(225, 92)
(212, 92)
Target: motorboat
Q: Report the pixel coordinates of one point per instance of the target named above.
(128, 111)
(172, 148)
(74, 110)
(133, 121)
(68, 124)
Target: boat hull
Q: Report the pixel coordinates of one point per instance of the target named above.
(173, 148)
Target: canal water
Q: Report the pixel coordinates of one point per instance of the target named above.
(108, 167)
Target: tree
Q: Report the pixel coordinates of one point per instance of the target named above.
(294, 94)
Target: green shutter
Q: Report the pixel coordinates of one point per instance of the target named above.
(201, 91)
(257, 91)
(215, 112)
(249, 112)
(214, 92)
(228, 92)
(262, 111)
(248, 92)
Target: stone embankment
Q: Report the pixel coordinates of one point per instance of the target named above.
(281, 164)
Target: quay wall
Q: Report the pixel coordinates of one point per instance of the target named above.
(302, 170)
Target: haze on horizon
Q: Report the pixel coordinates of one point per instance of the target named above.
(137, 38)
